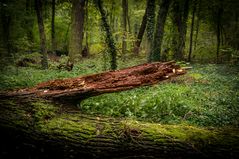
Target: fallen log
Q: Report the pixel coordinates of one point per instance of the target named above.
(77, 89)
(39, 129)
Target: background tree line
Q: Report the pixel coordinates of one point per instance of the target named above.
(159, 30)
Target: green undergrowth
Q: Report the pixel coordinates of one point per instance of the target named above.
(20, 77)
(206, 96)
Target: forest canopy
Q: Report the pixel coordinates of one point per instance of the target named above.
(191, 30)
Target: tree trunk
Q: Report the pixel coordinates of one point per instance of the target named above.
(159, 32)
(29, 21)
(39, 129)
(77, 27)
(53, 39)
(109, 38)
(125, 11)
(6, 23)
(140, 34)
(192, 29)
(73, 90)
(180, 20)
(150, 26)
(85, 52)
(147, 21)
(197, 24)
(38, 8)
(219, 16)
(128, 19)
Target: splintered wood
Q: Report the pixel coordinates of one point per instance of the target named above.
(113, 81)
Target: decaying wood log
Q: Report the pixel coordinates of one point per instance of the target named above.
(113, 81)
(39, 129)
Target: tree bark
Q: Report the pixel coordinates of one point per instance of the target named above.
(219, 16)
(147, 21)
(38, 8)
(125, 12)
(39, 129)
(109, 38)
(150, 26)
(197, 23)
(76, 89)
(6, 23)
(53, 38)
(140, 34)
(85, 51)
(77, 27)
(29, 21)
(180, 21)
(159, 32)
(191, 33)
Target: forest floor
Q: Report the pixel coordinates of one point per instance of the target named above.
(208, 95)
(195, 115)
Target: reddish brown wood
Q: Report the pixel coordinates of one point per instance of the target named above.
(80, 88)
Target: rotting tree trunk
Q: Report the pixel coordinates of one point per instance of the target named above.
(38, 8)
(37, 129)
(80, 88)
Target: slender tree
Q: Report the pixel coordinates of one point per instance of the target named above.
(6, 21)
(85, 52)
(159, 31)
(219, 18)
(38, 8)
(125, 12)
(150, 26)
(53, 39)
(109, 38)
(140, 33)
(77, 26)
(192, 29)
(180, 17)
(198, 12)
(29, 20)
(149, 16)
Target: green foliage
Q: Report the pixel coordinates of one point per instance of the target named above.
(42, 111)
(207, 96)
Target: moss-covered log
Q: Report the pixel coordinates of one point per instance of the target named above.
(40, 129)
(79, 88)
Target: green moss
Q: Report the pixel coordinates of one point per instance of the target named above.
(196, 76)
(197, 137)
(71, 126)
(43, 110)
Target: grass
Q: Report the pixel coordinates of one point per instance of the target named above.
(206, 96)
